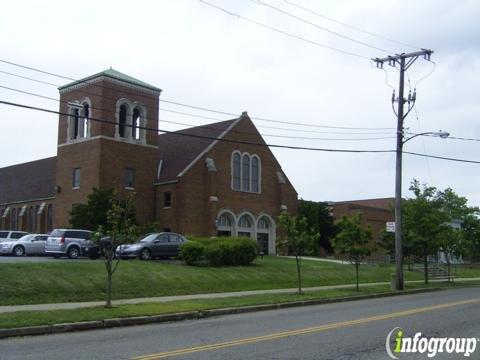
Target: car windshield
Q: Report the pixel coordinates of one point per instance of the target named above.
(57, 233)
(24, 238)
(146, 238)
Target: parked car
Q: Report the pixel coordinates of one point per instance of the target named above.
(7, 235)
(67, 242)
(30, 244)
(151, 246)
(96, 249)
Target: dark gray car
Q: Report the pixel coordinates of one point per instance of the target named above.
(154, 245)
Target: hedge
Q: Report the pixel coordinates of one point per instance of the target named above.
(224, 251)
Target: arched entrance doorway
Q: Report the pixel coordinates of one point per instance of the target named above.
(226, 224)
(266, 234)
(246, 226)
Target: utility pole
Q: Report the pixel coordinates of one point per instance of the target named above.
(404, 61)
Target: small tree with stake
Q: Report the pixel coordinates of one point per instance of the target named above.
(353, 241)
(120, 229)
(298, 237)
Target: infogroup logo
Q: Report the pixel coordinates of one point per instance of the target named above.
(397, 344)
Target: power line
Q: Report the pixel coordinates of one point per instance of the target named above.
(200, 116)
(205, 126)
(442, 157)
(351, 26)
(197, 136)
(345, 52)
(282, 128)
(182, 104)
(238, 141)
(260, 2)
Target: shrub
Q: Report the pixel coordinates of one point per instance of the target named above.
(225, 251)
(192, 252)
(231, 251)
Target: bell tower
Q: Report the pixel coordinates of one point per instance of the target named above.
(107, 138)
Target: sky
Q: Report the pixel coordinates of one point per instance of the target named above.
(204, 57)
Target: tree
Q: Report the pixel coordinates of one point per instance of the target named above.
(353, 241)
(424, 222)
(93, 214)
(386, 241)
(471, 236)
(320, 219)
(298, 237)
(120, 229)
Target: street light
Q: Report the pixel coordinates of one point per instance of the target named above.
(399, 284)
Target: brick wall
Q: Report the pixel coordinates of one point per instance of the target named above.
(194, 212)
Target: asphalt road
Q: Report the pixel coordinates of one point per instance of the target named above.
(352, 330)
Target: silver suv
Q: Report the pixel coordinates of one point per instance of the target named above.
(6, 235)
(67, 242)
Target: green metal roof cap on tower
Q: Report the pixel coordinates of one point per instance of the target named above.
(114, 74)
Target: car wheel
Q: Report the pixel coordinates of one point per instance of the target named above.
(18, 251)
(145, 254)
(73, 252)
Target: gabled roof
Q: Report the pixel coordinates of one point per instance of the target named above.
(28, 181)
(177, 150)
(113, 74)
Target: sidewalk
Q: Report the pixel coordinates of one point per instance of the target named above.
(77, 305)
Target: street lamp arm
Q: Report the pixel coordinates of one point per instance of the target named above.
(441, 134)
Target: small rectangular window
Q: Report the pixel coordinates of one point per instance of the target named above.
(129, 178)
(167, 229)
(167, 199)
(76, 178)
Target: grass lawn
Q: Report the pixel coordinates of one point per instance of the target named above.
(63, 281)
(50, 282)
(34, 318)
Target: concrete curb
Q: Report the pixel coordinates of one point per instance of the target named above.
(152, 319)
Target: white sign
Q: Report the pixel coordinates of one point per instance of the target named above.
(390, 226)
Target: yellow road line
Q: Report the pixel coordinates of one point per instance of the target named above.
(303, 331)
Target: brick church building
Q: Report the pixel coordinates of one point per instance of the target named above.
(206, 181)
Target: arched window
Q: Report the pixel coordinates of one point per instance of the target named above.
(246, 173)
(49, 218)
(35, 218)
(136, 124)
(255, 174)
(236, 171)
(225, 224)
(122, 121)
(18, 221)
(245, 226)
(13, 219)
(85, 122)
(225, 221)
(74, 123)
(30, 220)
(263, 224)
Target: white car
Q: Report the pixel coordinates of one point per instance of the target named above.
(31, 244)
(7, 235)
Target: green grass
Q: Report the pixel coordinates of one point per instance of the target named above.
(73, 281)
(63, 281)
(35, 318)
